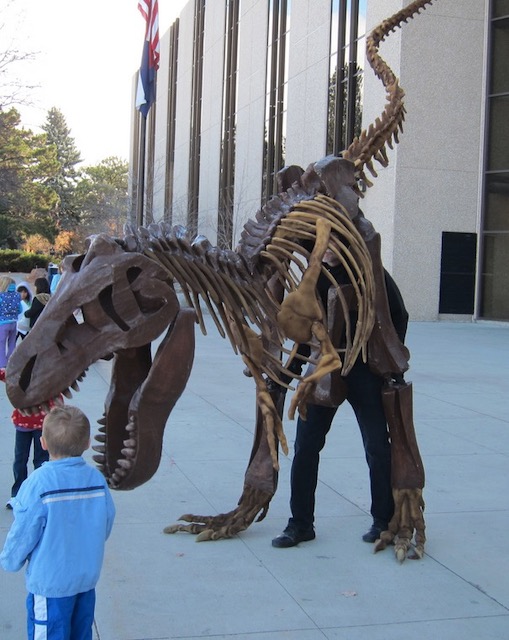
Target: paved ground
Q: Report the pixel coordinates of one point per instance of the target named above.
(156, 586)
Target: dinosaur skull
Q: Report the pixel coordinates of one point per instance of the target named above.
(107, 300)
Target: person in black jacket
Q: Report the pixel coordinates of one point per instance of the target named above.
(364, 393)
(39, 301)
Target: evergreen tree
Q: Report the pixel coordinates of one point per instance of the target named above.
(27, 166)
(103, 196)
(65, 182)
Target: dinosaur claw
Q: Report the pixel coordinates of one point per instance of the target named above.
(207, 534)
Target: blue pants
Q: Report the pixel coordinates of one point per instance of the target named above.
(22, 446)
(8, 333)
(61, 618)
(365, 396)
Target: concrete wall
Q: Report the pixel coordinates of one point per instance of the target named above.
(308, 82)
(250, 111)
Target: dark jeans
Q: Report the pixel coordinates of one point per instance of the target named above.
(365, 397)
(22, 446)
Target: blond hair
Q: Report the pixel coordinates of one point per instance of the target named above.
(66, 431)
(5, 282)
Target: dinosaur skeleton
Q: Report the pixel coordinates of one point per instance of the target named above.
(124, 290)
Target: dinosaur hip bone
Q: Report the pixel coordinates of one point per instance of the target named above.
(407, 475)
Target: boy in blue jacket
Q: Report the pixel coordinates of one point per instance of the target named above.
(63, 515)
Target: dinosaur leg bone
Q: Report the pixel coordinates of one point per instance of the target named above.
(260, 484)
(253, 355)
(407, 475)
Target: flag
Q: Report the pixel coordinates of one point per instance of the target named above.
(146, 90)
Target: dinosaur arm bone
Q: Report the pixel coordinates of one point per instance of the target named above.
(301, 308)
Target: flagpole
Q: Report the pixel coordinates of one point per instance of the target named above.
(146, 91)
(141, 172)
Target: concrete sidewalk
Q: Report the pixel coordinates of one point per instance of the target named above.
(156, 586)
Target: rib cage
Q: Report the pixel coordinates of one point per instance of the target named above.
(238, 298)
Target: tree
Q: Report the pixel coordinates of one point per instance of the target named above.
(341, 134)
(66, 179)
(26, 200)
(103, 196)
(13, 91)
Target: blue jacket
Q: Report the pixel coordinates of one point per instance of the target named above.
(63, 515)
(10, 305)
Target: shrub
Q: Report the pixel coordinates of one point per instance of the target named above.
(22, 261)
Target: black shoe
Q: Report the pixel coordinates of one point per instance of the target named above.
(373, 534)
(292, 536)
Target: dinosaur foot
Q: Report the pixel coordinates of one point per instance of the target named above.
(408, 518)
(226, 525)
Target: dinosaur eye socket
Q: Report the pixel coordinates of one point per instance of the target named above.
(132, 274)
(26, 375)
(73, 263)
(106, 302)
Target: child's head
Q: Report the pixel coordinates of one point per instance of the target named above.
(66, 432)
(5, 283)
(24, 292)
(41, 285)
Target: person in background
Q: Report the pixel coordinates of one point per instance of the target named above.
(9, 310)
(63, 515)
(364, 393)
(41, 298)
(23, 323)
(55, 279)
(28, 432)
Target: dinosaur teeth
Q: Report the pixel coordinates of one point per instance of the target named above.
(102, 429)
(128, 453)
(102, 420)
(67, 393)
(125, 464)
(121, 472)
(100, 437)
(99, 459)
(100, 448)
(130, 427)
(130, 443)
(75, 386)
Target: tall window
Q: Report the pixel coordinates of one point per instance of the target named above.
(227, 171)
(276, 94)
(171, 122)
(494, 296)
(345, 73)
(195, 129)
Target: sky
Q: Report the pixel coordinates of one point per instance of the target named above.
(85, 57)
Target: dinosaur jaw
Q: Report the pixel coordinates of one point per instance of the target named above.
(141, 397)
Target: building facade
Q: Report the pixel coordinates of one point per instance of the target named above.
(246, 87)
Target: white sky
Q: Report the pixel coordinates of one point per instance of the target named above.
(86, 56)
